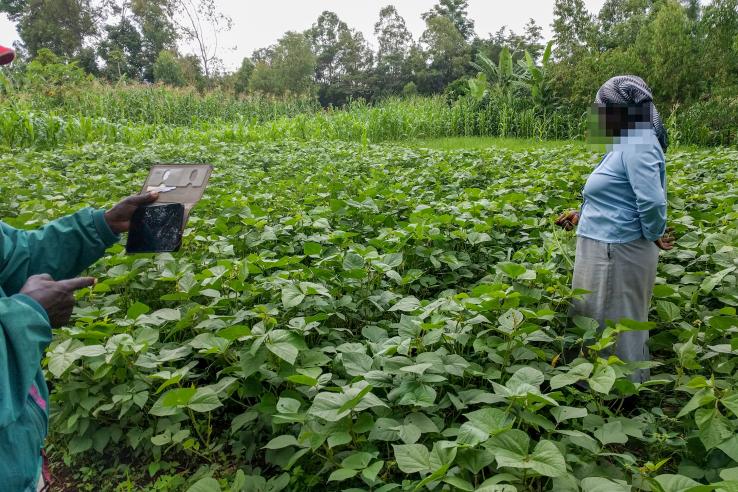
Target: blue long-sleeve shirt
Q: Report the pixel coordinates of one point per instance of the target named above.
(625, 196)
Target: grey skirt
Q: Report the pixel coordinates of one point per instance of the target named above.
(620, 277)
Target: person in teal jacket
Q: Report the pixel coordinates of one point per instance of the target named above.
(37, 284)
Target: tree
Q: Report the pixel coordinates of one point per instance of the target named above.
(395, 43)
(538, 79)
(62, 26)
(242, 76)
(288, 69)
(355, 60)
(668, 49)
(392, 34)
(50, 74)
(417, 66)
(87, 60)
(447, 51)
(262, 54)
(192, 70)
(490, 46)
(573, 28)
(501, 77)
(121, 50)
(155, 21)
(168, 70)
(529, 41)
(343, 60)
(142, 29)
(620, 22)
(577, 83)
(532, 37)
(456, 12)
(202, 25)
(410, 90)
(518, 44)
(692, 9)
(324, 37)
(718, 30)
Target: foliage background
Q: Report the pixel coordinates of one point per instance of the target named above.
(685, 49)
(352, 316)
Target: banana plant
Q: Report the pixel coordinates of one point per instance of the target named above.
(537, 78)
(502, 77)
(479, 86)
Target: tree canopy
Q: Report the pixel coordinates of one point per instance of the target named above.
(685, 49)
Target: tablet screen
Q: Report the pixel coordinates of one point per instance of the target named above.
(156, 228)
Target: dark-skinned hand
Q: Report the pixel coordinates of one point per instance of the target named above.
(119, 217)
(666, 242)
(568, 220)
(57, 298)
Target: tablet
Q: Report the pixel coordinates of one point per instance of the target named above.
(158, 228)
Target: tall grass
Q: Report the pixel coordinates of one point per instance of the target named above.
(159, 105)
(709, 123)
(141, 103)
(392, 120)
(59, 105)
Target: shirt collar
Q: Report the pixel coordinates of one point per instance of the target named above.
(635, 136)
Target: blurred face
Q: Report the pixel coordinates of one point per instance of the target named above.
(608, 122)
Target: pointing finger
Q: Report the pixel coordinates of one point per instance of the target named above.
(78, 283)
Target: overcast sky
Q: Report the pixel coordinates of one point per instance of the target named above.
(259, 23)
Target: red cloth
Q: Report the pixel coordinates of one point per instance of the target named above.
(6, 55)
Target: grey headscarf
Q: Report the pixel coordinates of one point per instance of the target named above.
(630, 89)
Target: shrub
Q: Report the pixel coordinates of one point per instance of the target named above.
(168, 70)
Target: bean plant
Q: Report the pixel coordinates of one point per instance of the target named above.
(348, 316)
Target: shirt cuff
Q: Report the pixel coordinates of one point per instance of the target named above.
(32, 303)
(103, 229)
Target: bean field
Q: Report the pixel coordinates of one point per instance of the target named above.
(349, 316)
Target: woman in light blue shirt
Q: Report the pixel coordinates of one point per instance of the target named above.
(622, 222)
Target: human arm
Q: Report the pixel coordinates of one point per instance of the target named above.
(64, 247)
(26, 320)
(644, 169)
